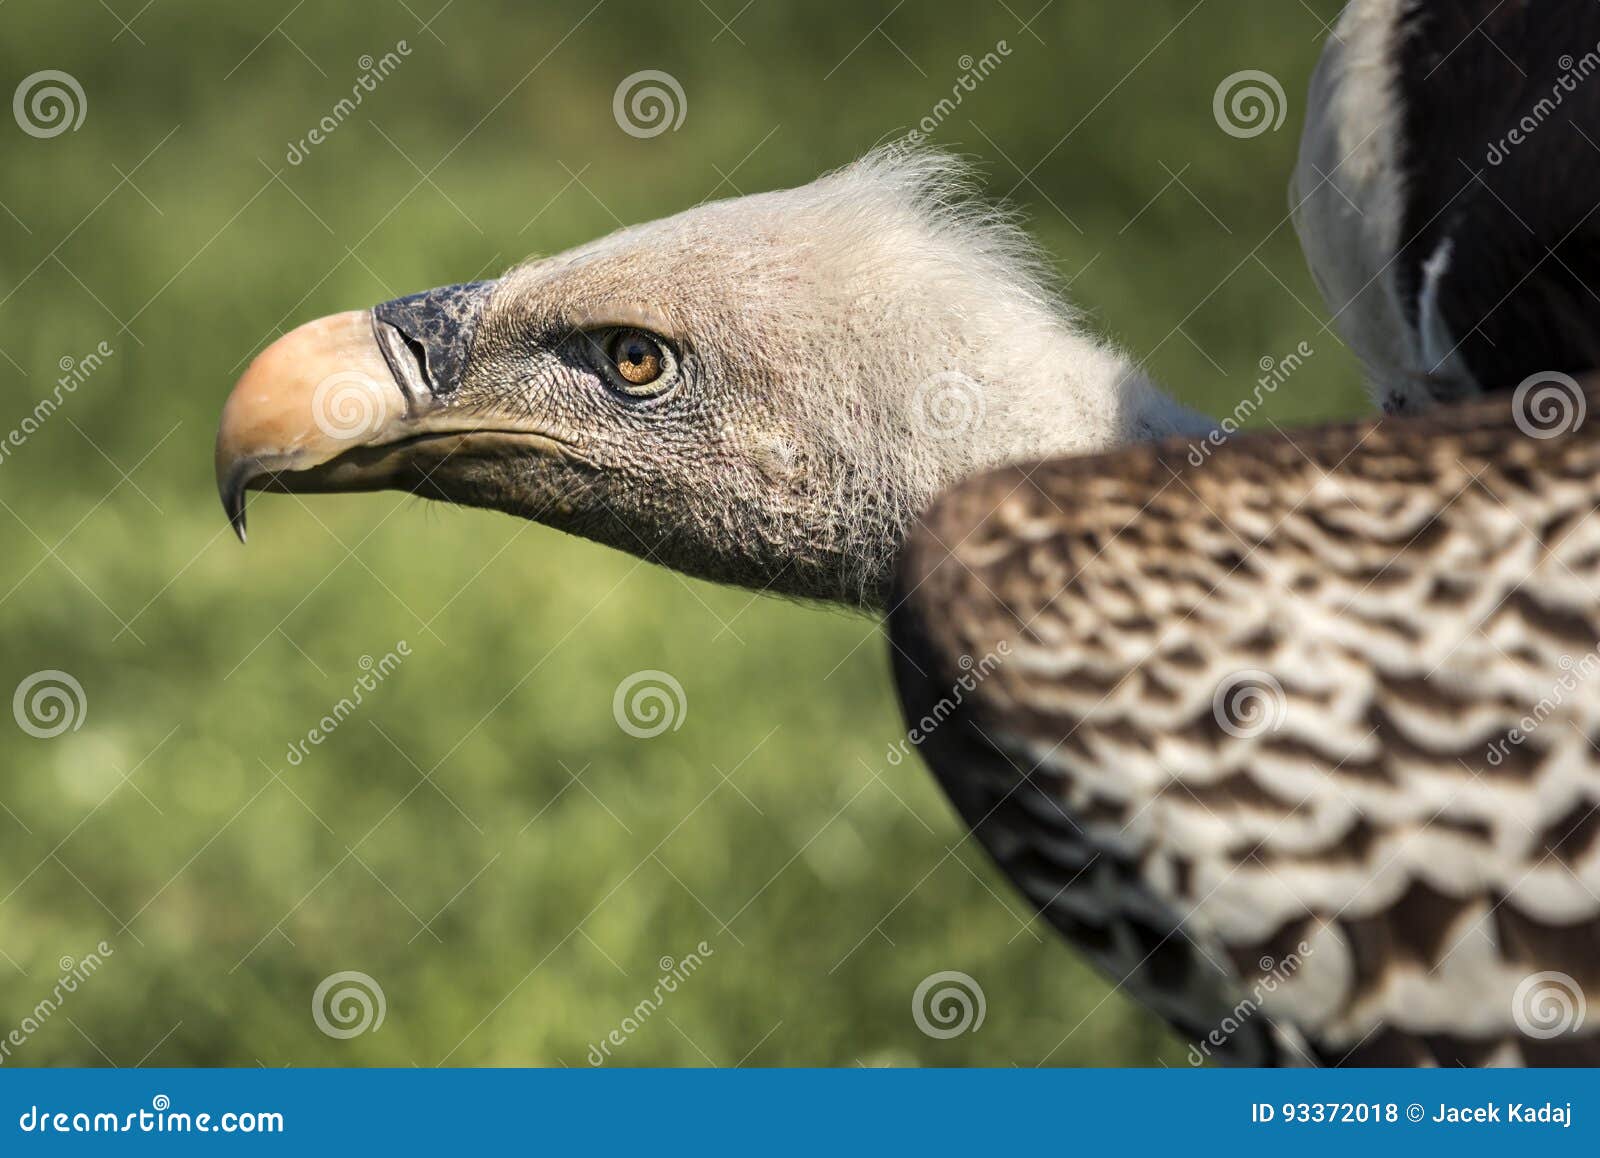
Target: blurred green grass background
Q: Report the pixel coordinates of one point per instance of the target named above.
(481, 838)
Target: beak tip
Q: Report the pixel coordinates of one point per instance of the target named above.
(231, 489)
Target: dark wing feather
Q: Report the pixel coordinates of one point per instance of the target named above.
(1294, 737)
(1445, 194)
(1499, 165)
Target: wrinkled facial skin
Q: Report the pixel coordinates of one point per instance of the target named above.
(687, 470)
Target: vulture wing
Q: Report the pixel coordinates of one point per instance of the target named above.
(1294, 736)
(1445, 193)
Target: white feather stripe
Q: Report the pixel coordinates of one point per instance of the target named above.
(1348, 195)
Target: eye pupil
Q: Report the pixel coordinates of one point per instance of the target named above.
(637, 357)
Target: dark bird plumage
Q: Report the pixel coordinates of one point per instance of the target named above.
(1446, 192)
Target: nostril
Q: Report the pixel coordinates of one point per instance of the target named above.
(420, 353)
(406, 357)
(427, 337)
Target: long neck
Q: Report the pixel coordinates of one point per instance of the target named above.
(1100, 401)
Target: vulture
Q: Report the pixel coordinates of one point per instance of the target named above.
(1291, 734)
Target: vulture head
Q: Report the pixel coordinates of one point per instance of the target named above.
(763, 391)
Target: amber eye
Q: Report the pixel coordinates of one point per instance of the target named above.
(637, 356)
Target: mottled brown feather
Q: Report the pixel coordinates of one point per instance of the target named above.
(1417, 589)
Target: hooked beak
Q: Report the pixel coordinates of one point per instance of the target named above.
(355, 402)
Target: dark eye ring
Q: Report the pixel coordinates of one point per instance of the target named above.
(640, 361)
